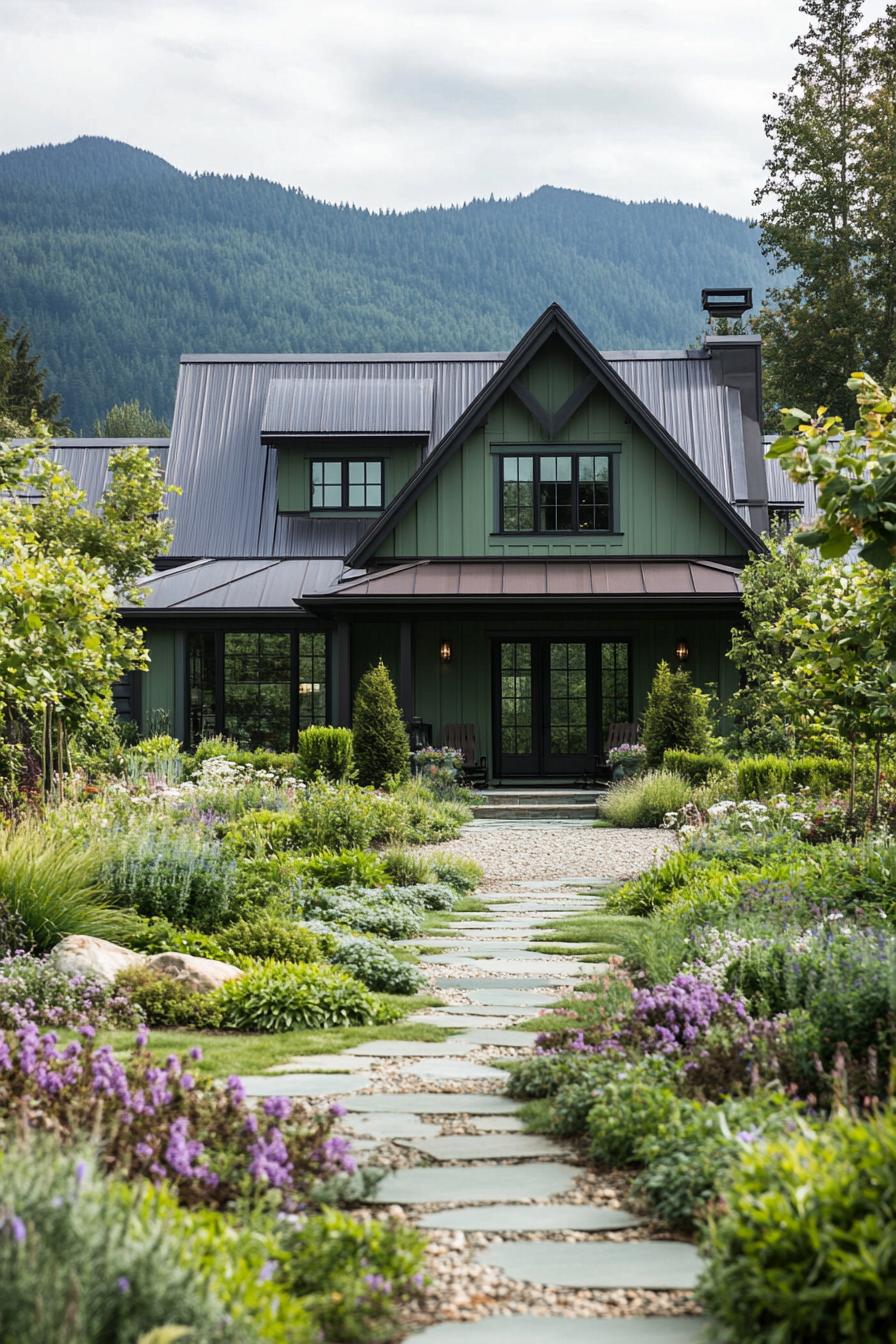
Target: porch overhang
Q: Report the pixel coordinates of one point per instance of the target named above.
(464, 582)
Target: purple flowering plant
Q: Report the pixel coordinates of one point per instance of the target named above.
(34, 989)
(163, 1123)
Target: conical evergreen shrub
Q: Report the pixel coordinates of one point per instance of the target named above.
(381, 740)
(675, 716)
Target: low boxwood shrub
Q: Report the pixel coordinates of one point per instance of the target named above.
(694, 766)
(645, 800)
(760, 777)
(800, 1248)
(271, 938)
(326, 753)
(284, 996)
(375, 966)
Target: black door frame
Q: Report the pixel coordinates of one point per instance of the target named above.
(540, 762)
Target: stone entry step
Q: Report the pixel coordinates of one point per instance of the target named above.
(564, 1330)
(536, 805)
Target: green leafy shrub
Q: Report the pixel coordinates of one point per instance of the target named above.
(215, 748)
(761, 777)
(645, 799)
(95, 1261)
(326, 752)
(271, 883)
(346, 867)
(366, 912)
(375, 966)
(352, 1274)
(279, 996)
(412, 815)
(271, 938)
(326, 817)
(406, 869)
(464, 875)
(631, 1102)
(543, 1075)
(382, 750)
(182, 875)
(166, 1002)
(50, 887)
(696, 767)
(676, 715)
(689, 1151)
(655, 887)
(801, 1250)
(160, 935)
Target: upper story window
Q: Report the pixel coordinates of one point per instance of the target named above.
(346, 483)
(556, 492)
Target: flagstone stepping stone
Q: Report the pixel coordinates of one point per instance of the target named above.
(441, 1017)
(304, 1084)
(451, 1068)
(406, 1049)
(532, 1218)
(433, 1103)
(442, 1185)
(392, 1125)
(341, 1063)
(566, 1330)
(494, 982)
(500, 1036)
(607, 1264)
(476, 1147)
(484, 997)
(504, 1124)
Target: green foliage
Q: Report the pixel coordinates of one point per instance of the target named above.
(217, 748)
(775, 582)
(464, 875)
(762, 777)
(828, 209)
(372, 911)
(271, 938)
(174, 256)
(406, 869)
(94, 1261)
(412, 815)
(631, 1102)
(645, 799)
(278, 996)
(695, 767)
(657, 886)
(346, 867)
(49, 887)
(353, 1274)
(181, 875)
(166, 1002)
(380, 737)
(328, 752)
(130, 420)
(801, 1248)
(23, 395)
(160, 747)
(270, 882)
(375, 966)
(157, 934)
(676, 715)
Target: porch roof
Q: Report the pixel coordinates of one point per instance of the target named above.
(249, 585)
(435, 580)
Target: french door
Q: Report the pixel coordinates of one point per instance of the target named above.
(554, 700)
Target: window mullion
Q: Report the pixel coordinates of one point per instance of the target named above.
(536, 492)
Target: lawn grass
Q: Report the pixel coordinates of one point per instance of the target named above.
(227, 1052)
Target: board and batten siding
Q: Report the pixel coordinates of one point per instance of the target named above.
(659, 511)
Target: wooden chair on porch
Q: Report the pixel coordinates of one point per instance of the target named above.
(462, 737)
(617, 734)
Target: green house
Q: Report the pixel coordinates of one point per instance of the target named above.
(520, 537)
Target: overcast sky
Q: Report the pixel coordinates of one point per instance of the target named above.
(400, 103)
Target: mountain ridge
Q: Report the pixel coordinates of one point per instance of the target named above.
(118, 262)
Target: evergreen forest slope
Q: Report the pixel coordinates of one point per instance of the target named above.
(119, 262)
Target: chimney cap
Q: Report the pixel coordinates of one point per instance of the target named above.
(721, 302)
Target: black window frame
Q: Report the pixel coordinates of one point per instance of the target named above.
(559, 451)
(217, 634)
(343, 463)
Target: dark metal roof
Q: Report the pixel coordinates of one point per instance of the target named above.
(87, 460)
(431, 580)
(262, 585)
(346, 406)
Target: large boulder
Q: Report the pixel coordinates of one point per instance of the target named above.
(95, 958)
(199, 974)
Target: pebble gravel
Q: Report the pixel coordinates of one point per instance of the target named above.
(548, 853)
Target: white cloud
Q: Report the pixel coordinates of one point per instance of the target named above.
(400, 103)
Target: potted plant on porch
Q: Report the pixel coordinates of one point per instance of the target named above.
(628, 759)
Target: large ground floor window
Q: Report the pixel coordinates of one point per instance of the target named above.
(259, 687)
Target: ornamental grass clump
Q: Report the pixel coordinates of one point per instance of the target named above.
(163, 1122)
(645, 799)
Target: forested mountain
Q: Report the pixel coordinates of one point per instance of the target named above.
(118, 262)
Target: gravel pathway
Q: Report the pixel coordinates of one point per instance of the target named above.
(545, 853)
(405, 1107)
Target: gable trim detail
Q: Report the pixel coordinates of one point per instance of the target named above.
(554, 321)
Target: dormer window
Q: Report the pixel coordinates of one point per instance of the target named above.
(346, 483)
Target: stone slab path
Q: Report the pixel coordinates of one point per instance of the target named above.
(526, 1241)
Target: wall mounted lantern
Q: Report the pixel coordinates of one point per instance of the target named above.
(682, 651)
(445, 651)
